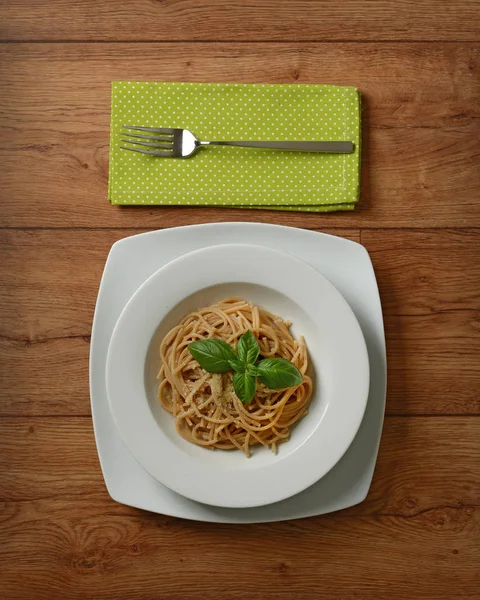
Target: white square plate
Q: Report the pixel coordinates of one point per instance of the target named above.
(346, 264)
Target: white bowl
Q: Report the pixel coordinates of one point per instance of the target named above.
(283, 285)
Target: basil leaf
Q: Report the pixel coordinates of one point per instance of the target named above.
(245, 386)
(213, 355)
(278, 373)
(248, 348)
(237, 365)
(251, 369)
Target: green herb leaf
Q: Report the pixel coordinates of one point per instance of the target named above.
(237, 365)
(251, 369)
(213, 355)
(248, 348)
(278, 373)
(245, 386)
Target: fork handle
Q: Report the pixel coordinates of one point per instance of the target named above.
(330, 147)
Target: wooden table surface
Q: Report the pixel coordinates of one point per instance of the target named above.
(417, 534)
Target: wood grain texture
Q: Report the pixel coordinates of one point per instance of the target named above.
(428, 283)
(414, 535)
(421, 142)
(413, 473)
(430, 292)
(241, 20)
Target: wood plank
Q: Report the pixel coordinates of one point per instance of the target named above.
(45, 378)
(415, 535)
(48, 296)
(47, 300)
(424, 272)
(406, 479)
(38, 302)
(433, 363)
(421, 142)
(428, 557)
(240, 20)
(430, 295)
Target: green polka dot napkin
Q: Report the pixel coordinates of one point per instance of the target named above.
(239, 177)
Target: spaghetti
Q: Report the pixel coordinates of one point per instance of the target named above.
(207, 411)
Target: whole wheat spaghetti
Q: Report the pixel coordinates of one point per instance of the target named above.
(206, 409)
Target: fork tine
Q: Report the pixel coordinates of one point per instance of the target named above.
(159, 145)
(167, 130)
(159, 138)
(149, 152)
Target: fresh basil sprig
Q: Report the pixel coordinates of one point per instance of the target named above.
(248, 349)
(245, 386)
(213, 355)
(278, 373)
(216, 356)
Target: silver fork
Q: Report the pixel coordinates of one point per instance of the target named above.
(181, 143)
